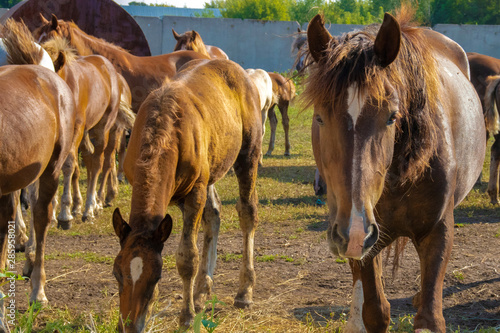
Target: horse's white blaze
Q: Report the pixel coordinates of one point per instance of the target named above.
(355, 101)
(136, 269)
(355, 323)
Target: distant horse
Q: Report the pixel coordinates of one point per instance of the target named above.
(398, 134)
(191, 40)
(95, 85)
(491, 106)
(143, 74)
(283, 94)
(481, 67)
(188, 134)
(264, 86)
(37, 117)
(299, 50)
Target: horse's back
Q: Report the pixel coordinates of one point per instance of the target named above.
(448, 48)
(462, 125)
(46, 104)
(216, 53)
(215, 108)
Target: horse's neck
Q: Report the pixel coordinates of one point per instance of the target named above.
(88, 45)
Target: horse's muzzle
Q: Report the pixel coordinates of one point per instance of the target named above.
(354, 242)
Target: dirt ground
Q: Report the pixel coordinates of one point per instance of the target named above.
(302, 278)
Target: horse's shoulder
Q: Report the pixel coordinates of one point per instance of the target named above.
(448, 48)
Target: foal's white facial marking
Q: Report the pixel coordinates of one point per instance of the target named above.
(135, 269)
(42, 36)
(355, 103)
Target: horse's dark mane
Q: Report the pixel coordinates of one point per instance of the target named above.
(97, 45)
(350, 61)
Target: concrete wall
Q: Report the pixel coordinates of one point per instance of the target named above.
(251, 43)
(266, 44)
(484, 39)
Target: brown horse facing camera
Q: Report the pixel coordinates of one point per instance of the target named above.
(191, 40)
(143, 74)
(187, 135)
(398, 135)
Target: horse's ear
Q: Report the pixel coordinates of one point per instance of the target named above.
(176, 35)
(53, 22)
(388, 41)
(164, 229)
(193, 35)
(318, 37)
(122, 229)
(43, 19)
(59, 64)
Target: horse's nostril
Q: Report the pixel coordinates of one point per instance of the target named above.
(372, 238)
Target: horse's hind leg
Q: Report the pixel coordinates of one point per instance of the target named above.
(273, 121)
(285, 121)
(94, 164)
(187, 253)
(494, 166)
(370, 310)
(246, 171)
(211, 226)
(108, 167)
(42, 212)
(30, 247)
(434, 252)
(7, 214)
(64, 218)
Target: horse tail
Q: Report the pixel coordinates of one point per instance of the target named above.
(20, 45)
(126, 117)
(399, 249)
(491, 116)
(87, 143)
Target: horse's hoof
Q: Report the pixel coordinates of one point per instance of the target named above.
(88, 219)
(243, 304)
(27, 270)
(107, 204)
(64, 225)
(20, 247)
(269, 153)
(287, 153)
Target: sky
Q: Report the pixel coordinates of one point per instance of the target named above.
(176, 3)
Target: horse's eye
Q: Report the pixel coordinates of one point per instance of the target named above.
(392, 118)
(319, 120)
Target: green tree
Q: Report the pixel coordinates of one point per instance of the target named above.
(271, 10)
(304, 10)
(9, 3)
(137, 3)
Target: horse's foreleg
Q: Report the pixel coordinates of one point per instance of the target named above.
(285, 121)
(494, 166)
(187, 253)
(64, 218)
(211, 226)
(30, 247)
(273, 121)
(434, 252)
(97, 160)
(246, 171)
(370, 310)
(42, 212)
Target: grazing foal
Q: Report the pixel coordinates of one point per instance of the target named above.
(398, 135)
(187, 135)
